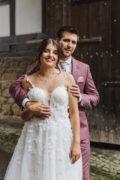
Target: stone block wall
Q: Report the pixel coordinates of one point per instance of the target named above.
(10, 114)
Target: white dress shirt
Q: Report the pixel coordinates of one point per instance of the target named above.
(68, 68)
(24, 102)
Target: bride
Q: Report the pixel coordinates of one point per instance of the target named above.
(49, 145)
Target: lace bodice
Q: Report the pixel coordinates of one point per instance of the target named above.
(58, 96)
(57, 100)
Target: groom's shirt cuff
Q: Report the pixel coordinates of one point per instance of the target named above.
(80, 98)
(24, 102)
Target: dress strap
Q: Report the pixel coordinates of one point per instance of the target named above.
(64, 77)
(28, 80)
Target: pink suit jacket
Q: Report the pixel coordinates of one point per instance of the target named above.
(83, 78)
(90, 95)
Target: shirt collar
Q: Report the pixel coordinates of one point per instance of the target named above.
(68, 61)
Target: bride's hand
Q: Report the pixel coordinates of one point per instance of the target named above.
(75, 152)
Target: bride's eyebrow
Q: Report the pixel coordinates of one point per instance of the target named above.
(46, 49)
(56, 50)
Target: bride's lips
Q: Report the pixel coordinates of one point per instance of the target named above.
(49, 60)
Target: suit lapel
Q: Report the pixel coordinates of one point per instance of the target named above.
(75, 68)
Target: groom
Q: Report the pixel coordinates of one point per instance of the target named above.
(84, 89)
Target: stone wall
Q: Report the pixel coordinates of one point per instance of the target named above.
(11, 69)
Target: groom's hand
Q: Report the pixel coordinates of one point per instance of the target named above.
(75, 91)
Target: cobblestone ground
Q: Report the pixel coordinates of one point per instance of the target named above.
(105, 164)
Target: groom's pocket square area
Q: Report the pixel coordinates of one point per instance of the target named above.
(80, 79)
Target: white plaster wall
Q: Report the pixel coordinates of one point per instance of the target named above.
(28, 16)
(4, 20)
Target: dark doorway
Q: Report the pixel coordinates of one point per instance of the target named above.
(98, 22)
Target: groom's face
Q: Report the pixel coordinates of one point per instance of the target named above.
(68, 43)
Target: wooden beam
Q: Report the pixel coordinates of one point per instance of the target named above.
(86, 40)
(12, 17)
(91, 40)
(43, 16)
(3, 2)
(37, 41)
(75, 2)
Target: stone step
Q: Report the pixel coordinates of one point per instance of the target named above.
(8, 129)
(8, 119)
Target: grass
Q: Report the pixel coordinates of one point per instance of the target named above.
(8, 139)
(97, 174)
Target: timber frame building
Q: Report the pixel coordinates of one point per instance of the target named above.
(23, 23)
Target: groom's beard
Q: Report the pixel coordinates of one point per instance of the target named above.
(65, 55)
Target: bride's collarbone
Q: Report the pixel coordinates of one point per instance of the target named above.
(49, 89)
(48, 84)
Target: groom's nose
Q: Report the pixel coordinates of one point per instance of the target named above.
(69, 44)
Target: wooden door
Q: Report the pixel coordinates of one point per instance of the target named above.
(98, 22)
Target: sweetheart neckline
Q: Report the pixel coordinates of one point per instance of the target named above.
(48, 94)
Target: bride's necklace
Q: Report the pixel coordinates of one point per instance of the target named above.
(49, 77)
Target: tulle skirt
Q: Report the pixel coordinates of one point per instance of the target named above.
(42, 153)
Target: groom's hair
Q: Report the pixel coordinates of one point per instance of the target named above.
(69, 29)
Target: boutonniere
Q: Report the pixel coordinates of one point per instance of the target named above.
(80, 79)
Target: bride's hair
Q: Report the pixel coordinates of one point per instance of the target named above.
(43, 45)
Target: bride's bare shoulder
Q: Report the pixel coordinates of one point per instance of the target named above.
(70, 77)
(26, 83)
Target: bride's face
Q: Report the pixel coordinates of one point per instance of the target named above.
(49, 56)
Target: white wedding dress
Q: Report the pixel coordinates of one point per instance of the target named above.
(42, 151)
